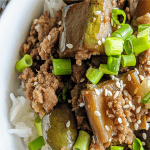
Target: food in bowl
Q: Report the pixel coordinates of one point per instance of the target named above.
(85, 72)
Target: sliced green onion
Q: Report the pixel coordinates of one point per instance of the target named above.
(37, 143)
(113, 63)
(141, 44)
(143, 33)
(128, 60)
(128, 44)
(83, 141)
(116, 148)
(124, 32)
(103, 68)
(137, 144)
(62, 66)
(63, 93)
(146, 98)
(38, 123)
(142, 27)
(113, 46)
(115, 13)
(23, 63)
(94, 75)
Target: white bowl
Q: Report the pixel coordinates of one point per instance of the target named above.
(14, 27)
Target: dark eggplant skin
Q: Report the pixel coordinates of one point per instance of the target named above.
(68, 2)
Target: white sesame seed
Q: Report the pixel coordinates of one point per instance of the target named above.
(146, 112)
(97, 92)
(121, 82)
(82, 80)
(121, 88)
(59, 23)
(96, 13)
(103, 40)
(119, 120)
(99, 42)
(144, 136)
(139, 122)
(118, 84)
(147, 126)
(94, 18)
(109, 93)
(35, 21)
(70, 46)
(130, 103)
(35, 83)
(93, 139)
(116, 79)
(124, 85)
(37, 27)
(109, 34)
(82, 104)
(136, 126)
(133, 107)
(69, 101)
(68, 124)
(126, 106)
(138, 109)
(107, 128)
(129, 77)
(105, 92)
(141, 77)
(97, 113)
(112, 77)
(137, 71)
(116, 94)
(148, 63)
(143, 143)
(127, 124)
(49, 37)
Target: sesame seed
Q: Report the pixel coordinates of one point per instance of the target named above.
(124, 85)
(112, 77)
(68, 124)
(35, 83)
(109, 93)
(136, 126)
(105, 92)
(69, 101)
(96, 13)
(138, 109)
(139, 122)
(97, 113)
(82, 80)
(94, 18)
(97, 92)
(116, 79)
(143, 143)
(121, 82)
(116, 94)
(148, 63)
(133, 107)
(49, 37)
(119, 120)
(147, 126)
(141, 77)
(70, 46)
(82, 104)
(127, 124)
(59, 23)
(118, 84)
(129, 77)
(93, 139)
(144, 136)
(126, 106)
(136, 70)
(130, 103)
(37, 27)
(103, 40)
(107, 128)
(99, 42)
(121, 88)
(109, 34)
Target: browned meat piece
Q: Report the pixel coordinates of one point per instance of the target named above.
(58, 15)
(45, 66)
(48, 43)
(45, 24)
(34, 53)
(94, 146)
(114, 110)
(78, 72)
(133, 5)
(74, 22)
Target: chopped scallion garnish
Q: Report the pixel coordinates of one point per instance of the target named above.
(128, 44)
(124, 32)
(37, 143)
(116, 148)
(83, 141)
(103, 68)
(62, 66)
(146, 98)
(113, 63)
(143, 33)
(117, 12)
(23, 63)
(142, 27)
(63, 94)
(141, 44)
(38, 123)
(94, 75)
(128, 60)
(137, 144)
(113, 46)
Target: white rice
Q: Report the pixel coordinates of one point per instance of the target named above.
(21, 114)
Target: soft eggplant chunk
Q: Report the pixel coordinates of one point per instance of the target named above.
(72, 1)
(96, 103)
(99, 24)
(56, 133)
(74, 21)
